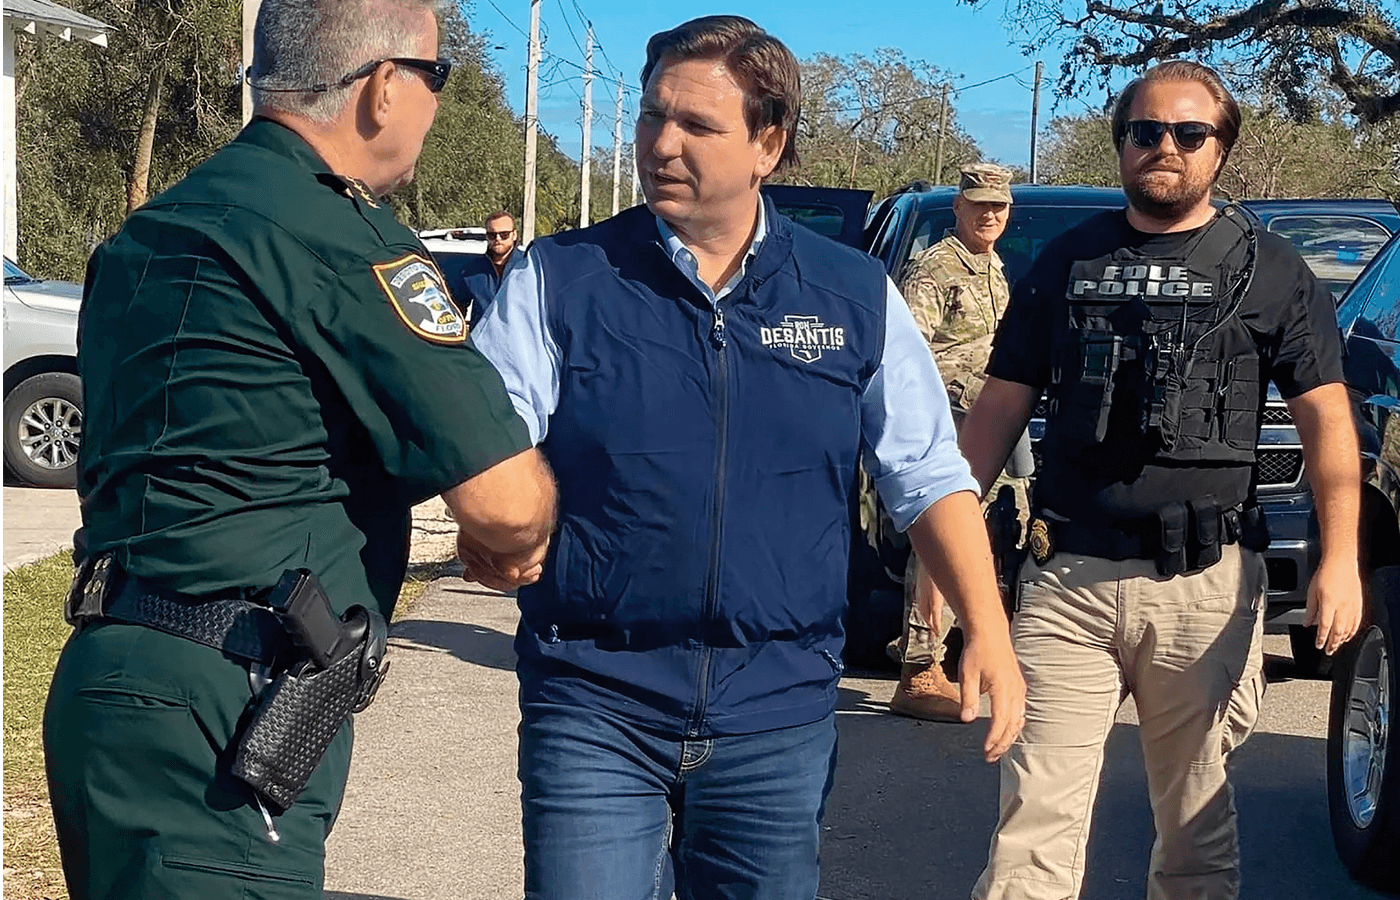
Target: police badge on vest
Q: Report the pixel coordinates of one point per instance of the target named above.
(1155, 343)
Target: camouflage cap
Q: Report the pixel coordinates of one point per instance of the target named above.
(985, 182)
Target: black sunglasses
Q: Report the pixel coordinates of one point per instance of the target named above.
(500, 235)
(437, 71)
(1148, 133)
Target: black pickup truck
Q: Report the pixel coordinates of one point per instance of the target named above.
(1363, 769)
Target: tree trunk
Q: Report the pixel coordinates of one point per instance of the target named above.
(137, 190)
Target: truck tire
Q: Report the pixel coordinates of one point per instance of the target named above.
(43, 427)
(1363, 770)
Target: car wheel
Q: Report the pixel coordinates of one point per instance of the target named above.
(43, 427)
(1309, 661)
(1363, 773)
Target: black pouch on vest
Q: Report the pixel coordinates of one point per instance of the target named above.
(296, 717)
(1171, 560)
(1206, 537)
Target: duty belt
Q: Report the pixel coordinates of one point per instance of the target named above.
(1177, 543)
(237, 626)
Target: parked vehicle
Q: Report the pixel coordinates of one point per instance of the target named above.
(1363, 770)
(43, 412)
(835, 212)
(453, 249)
(1336, 237)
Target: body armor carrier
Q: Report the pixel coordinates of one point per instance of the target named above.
(1158, 343)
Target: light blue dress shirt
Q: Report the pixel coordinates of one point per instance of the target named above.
(909, 447)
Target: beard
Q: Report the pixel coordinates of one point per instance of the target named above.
(1168, 199)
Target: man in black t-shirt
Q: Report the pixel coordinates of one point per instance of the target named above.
(1165, 321)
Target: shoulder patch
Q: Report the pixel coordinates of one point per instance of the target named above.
(417, 292)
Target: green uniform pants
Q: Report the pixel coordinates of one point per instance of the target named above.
(138, 735)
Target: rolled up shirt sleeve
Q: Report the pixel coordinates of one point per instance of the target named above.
(911, 444)
(514, 336)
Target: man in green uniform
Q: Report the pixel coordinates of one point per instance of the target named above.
(274, 374)
(957, 291)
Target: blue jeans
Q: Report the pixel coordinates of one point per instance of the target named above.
(612, 812)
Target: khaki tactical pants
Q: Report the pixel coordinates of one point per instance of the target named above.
(1089, 632)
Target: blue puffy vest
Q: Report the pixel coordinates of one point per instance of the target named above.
(706, 465)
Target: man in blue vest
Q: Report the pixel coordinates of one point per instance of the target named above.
(703, 375)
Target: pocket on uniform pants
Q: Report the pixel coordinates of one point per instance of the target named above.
(196, 875)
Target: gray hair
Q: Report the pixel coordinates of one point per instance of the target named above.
(300, 43)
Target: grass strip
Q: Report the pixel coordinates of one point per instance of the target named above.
(34, 633)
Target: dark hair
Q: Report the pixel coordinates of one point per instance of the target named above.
(762, 66)
(499, 214)
(1227, 128)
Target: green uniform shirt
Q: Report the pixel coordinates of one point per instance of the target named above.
(274, 373)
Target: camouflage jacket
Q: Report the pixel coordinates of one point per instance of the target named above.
(957, 298)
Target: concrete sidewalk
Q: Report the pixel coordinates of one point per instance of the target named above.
(432, 811)
(38, 523)
(433, 807)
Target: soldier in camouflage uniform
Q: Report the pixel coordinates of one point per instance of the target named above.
(957, 291)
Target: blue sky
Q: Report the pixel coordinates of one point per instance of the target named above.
(972, 43)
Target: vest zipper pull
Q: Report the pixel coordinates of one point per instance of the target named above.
(717, 336)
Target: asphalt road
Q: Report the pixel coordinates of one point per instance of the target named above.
(432, 810)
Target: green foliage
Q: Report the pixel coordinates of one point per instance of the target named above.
(1274, 156)
(1079, 150)
(473, 160)
(79, 109)
(874, 122)
(1279, 157)
(1288, 50)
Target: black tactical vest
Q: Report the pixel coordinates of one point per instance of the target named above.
(1158, 343)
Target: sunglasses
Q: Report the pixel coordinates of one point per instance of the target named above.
(500, 235)
(1148, 133)
(437, 71)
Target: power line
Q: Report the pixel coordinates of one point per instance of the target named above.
(565, 14)
(920, 99)
(598, 45)
(508, 19)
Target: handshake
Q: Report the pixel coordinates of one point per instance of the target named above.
(505, 517)
(500, 571)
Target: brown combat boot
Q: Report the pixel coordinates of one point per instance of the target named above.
(924, 692)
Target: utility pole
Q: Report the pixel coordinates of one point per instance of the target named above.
(634, 171)
(584, 219)
(617, 150)
(942, 130)
(532, 124)
(1035, 121)
(250, 18)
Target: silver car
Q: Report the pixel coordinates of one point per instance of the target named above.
(43, 396)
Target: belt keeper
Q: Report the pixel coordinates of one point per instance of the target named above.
(87, 593)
